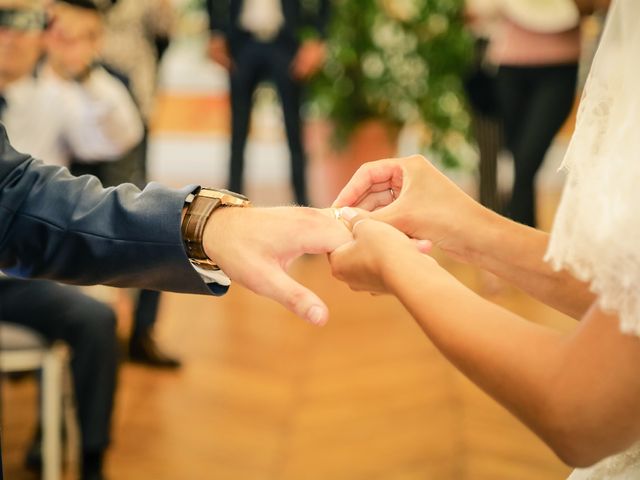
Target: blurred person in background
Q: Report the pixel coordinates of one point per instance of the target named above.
(137, 33)
(480, 86)
(60, 107)
(537, 49)
(135, 29)
(258, 40)
(77, 108)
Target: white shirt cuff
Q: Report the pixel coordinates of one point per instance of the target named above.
(213, 276)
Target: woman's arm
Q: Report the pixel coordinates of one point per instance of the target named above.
(515, 252)
(578, 392)
(426, 204)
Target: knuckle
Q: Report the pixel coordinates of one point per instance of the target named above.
(362, 169)
(293, 298)
(418, 160)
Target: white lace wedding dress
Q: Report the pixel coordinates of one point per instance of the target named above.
(596, 234)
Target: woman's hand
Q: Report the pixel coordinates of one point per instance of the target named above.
(375, 250)
(413, 196)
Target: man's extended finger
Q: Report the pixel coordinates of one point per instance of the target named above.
(351, 217)
(322, 234)
(279, 286)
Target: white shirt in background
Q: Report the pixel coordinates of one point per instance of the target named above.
(263, 18)
(54, 119)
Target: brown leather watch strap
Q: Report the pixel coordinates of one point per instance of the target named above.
(195, 219)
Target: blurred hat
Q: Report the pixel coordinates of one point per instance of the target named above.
(542, 16)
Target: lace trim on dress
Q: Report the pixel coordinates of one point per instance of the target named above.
(624, 466)
(596, 234)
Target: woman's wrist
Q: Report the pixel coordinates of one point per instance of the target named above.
(397, 270)
(467, 237)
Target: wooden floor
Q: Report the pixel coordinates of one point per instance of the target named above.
(264, 396)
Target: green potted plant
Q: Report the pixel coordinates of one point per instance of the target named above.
(396, 62)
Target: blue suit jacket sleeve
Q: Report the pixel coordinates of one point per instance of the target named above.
(59, 227)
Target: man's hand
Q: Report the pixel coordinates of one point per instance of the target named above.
(309, 59)
(413, 196)
(218, 50)
(256, 246)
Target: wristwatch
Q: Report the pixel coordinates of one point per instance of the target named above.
(200, 205)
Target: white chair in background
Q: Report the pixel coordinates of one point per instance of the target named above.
(23, 349)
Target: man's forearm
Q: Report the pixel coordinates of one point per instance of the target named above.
(55, 226)
(515, 253)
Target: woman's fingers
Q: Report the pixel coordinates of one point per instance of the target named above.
(353, 218)
(371, 177)
(376, 200)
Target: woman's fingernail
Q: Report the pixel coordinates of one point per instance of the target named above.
(316, 315)
(348, 213)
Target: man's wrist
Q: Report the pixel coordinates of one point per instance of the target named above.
(215, 233)
(201, 205)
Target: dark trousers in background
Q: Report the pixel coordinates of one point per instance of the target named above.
(255, 62)
(89, 328)
(489, 137)
(146, 312)
(534, 103)
(480, 85)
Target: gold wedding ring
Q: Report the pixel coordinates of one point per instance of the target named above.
(337, 213)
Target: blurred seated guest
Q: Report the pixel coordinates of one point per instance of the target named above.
(537, 48)
(73, 108)
(136, 33)
(60, 312)
(76, 108)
